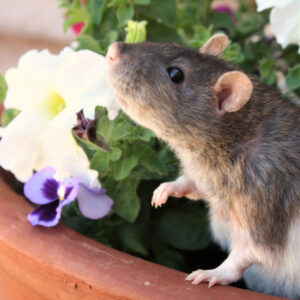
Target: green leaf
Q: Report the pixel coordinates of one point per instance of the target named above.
(100, 162)
(223, 21)
(185, 228)
(3, 88)
(132, 238)
(8, 115)
(233, 53)
(126, 201)
(75, 15)
(123, 167)
(108, 30)
(248, 22)
(293, 77)
(87, 42)
(163, 12)
(157, 32)
(111, 37)
(124, 14)
(201, 35)
(121, 130)
(171, 258)
(267, 70)
(105, 126)
(146, 135)
(88, 147)
(115, 154)
(100, 111)
(142, 2)
(115, 3)
(98, 10)
(151, 160)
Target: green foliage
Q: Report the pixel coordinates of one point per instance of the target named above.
(130, 148)
(233, 53)
(135, 162)
(267, 70)
(293, 77)
(7, 116)
(185, 228)
(201, 35)
(3, 88)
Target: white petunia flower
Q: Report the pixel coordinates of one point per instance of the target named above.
(284, 19)
(48, 90)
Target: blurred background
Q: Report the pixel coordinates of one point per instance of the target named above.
(30, 24)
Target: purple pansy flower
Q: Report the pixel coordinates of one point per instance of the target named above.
(52, 195)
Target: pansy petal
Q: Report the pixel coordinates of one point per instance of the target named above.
(45, 215)
(71, 191)
(42, 188)
(93, 204)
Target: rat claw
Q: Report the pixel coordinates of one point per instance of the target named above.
(212, 282)
(200, 278)
(190, 276)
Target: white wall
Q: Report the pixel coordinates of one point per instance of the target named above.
(28, 24)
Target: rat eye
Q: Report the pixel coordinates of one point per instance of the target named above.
(175, 74)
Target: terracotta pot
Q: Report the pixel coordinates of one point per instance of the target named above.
(58, 263)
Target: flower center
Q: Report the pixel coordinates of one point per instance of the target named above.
(54, 104)
(61, 192)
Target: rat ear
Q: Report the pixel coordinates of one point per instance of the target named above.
(233, 90)
(215, 45)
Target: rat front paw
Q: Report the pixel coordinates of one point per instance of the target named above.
(213, 277)
(162, 193)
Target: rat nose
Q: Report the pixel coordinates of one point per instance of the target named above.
(113, 52)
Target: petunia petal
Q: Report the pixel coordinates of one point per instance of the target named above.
(48, 100)
(93, 204)
(42, 188)
(45, 215)
(285, 23)
(72, 160)
(34, 70)
(265, 4)
(20, 144)
(88, 85)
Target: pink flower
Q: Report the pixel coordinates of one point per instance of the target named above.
(78, 27)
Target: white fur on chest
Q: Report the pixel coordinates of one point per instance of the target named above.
(282, 277)
(221, 229)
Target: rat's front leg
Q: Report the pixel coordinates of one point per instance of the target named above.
(181, 187)
(229, 271)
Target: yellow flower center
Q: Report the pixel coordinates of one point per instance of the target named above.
(54, 104)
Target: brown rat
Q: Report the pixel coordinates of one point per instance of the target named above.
(238, 142)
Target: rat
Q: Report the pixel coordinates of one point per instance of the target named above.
(238, 142)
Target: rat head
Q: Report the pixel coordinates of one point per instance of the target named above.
(172, 89)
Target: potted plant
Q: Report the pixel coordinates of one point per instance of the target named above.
(128, 161)
(59, 263)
